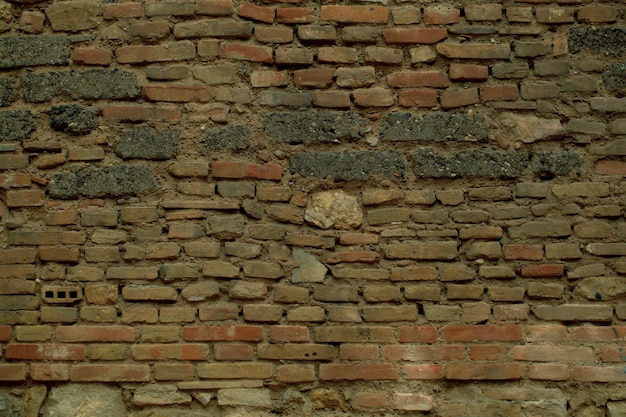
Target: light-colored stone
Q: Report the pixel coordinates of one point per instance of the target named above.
(200, 291)
(245, 396)
(616, 409)
(78, 400)
(33, 398)
(528, 128)
(10, 405)
(73, 16)
(601, 288)
(160, 395)
(310, 269)
(334, 209)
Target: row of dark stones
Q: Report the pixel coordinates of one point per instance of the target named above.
(49, 49)
(130, 179)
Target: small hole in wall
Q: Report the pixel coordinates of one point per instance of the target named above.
(49, 294)
(61, 294)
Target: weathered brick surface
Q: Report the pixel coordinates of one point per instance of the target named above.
(166, 229)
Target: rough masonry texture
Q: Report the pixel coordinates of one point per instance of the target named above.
(296, 208)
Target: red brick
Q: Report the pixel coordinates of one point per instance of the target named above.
(543, 271)
(110, 373)
(487, 352)
(295, 15)
(141, 113)
(459, 98)
(223, 333)
(373, 97)
(599, 334)
(599, 374)
(370, 400)
(15, 180)
(95, 334)
(245, 52)
(608, 167)
(411, 36)
(417, 334)
(423, 371)
(412, 402)
(336, 372)
(226, 169)
(5, 333)
(549, 372)
(355, 14)
(182, 352)
(358, 352)
(87, 56)
(137, 54)
(523, 252)
(467, 72)
(482, 333)
(549, 353)
(313, 77)
(435, 79)
(254, 12)
(38, 352)
(122, 10)
(441, 15)
(289, 334)
(214, 7)
(418, 353)
(177, 93)
(49, 372)
(331, 99)
(233, 352)
(25, 198)
(499, 93)
(269, 78)
(546, 333)
(12, 372)
(273, 34)
(417, 98)
(491, 371)
(612, 354)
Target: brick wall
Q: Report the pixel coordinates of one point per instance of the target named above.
(284, 207)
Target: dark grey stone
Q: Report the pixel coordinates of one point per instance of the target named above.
(16, 124)
(434, 127)
(9, 91)
(91, 84)
(147, 143)
(614, 78)
(311, 127)
(607, 40)
(230, 138)
(113, 181)
(31, 50)
(73, 119)
(429, 163)
(349, 165)
(549, 164)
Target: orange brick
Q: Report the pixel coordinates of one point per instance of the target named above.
(177, 93)
(87, 56)
(49, 372)
(499, 93)
(122, 10)
(223, 333)
(417, 98)
(467, 72)
(245, 52)
(423, 371)
(214, 7)
(25, 198)
(295, 15)
(254, 12)
(436, 79)
(141, 113)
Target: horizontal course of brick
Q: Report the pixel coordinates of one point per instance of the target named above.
(314, 208)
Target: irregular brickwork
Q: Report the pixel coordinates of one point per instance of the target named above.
(292, 208)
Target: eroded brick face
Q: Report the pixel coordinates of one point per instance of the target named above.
(287, 207)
